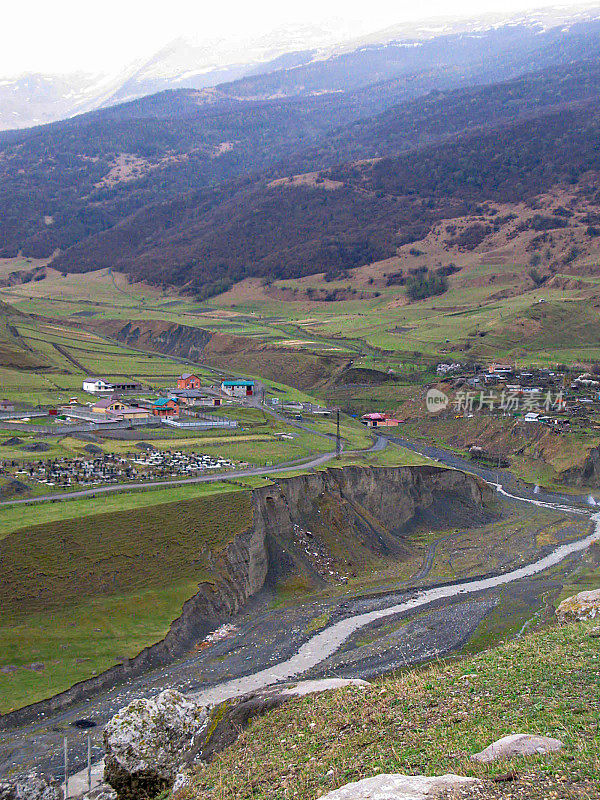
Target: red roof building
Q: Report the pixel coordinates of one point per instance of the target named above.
(377, 420)
(165, 408)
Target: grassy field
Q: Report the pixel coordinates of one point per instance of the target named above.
(543, 683)
(64, 354)
(13, 518)
(471, 320)
(104, 586)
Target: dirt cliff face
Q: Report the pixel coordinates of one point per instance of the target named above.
(315, 530)
(585, 474)
(293, 366)
(330, 524)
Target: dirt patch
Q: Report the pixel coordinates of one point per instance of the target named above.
(312, 179)
(125, 167)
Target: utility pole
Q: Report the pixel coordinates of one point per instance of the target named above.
(89, 762)
(66, 754)
(338, 440)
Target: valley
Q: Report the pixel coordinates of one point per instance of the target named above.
(300, 380)
(285, 617)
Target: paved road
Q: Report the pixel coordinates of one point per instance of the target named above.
(380, 442)
(289, 466)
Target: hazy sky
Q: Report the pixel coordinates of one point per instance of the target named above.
(100, 36)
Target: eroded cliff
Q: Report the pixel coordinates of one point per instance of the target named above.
(307, 532)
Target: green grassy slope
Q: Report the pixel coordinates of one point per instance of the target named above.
(81, 594)
(429, 721)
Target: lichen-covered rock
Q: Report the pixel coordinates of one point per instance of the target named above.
(518, 744)
(399, 787)
(31, 786)
(585, 605)
(100, 792)
(148, 741)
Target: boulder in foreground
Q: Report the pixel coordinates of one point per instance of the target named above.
(582, 606)
(150, 743)
(518, 744)
(147, 742)
(399, 787)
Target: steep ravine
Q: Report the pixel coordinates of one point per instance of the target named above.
(224, 351)
(351, 514)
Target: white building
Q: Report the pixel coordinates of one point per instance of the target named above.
(238, 388)
(96, 385)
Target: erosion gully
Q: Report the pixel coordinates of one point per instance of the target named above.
(269, 644)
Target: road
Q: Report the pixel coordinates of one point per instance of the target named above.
(504, 477)
(272, 644)
(379, 443)
(289, 466)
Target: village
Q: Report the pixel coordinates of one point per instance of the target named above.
(120, 412)
(561, 398)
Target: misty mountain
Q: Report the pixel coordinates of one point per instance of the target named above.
(187, 62)
(312, 60)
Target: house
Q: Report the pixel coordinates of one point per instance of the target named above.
(238, 388)
(96, 385)
(127, 386)
(189, 381)
(501, 369)
(165, 407)
(109, 406)
(134, 412)
(112, 406)
(194, 397)
(377, 420)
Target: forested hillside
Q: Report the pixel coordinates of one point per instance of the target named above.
(193, 188)
(349, 215)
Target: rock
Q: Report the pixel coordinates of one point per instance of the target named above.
(231, 716)
(182, 779)
(303, 688)
(585, 605)
(148, 741)
(518, 744)
(594, 633)
(31, 786)
(399, 787)
(100, 792)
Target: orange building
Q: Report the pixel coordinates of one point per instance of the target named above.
(189, 381)
(165, 407)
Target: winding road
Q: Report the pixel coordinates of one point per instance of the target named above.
(289, 466)
(38, 741)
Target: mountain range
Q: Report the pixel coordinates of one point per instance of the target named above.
(195, 63)
(195, 187)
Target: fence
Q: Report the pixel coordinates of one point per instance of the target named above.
(80, 427)
(202, 422)
(16, 415)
